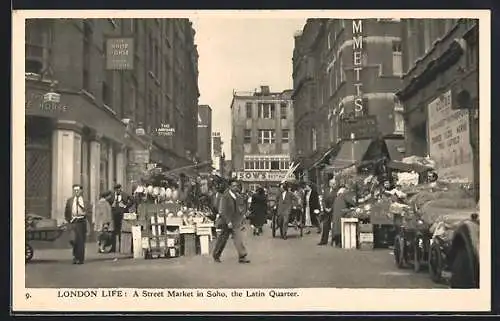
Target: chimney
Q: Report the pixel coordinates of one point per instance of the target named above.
(264, 90)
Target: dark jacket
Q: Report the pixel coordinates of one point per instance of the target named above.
(285, 205)
(342, 202)
(229, 211)
(126, 200)
(258, 209)
(313, 201)
(329, 199)
(86, 210)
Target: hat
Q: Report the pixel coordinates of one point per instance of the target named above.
(118, 186)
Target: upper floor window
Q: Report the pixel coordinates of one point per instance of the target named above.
(285, 136)
(283, 111)
(87, 53)
(248, 107)
(314, 139)
(38, 40)
(247, 136)
(397, 59)
(266, 110)
(267, 136)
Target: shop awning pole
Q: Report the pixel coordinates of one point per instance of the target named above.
(187, 167)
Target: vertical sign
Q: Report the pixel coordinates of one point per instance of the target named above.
(217, 144)
(119, 53)
(449, 142)
(357, 47)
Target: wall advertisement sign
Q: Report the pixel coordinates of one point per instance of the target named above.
(119, 53)
(449, 141)
(260, 176)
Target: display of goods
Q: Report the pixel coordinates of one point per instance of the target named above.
(427, 195)
(407, 179)
(425, 161)
(168, 194)
(398, 208)
(436, 210)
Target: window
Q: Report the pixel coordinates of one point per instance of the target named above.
(285, 136)
(132, 101)
(275, 165)
(329, 41)
(106, 94)
(266, 136)
(399, 124)
(87, 43)
(266, 110)
(283, 111)
(342, 72)
(472, 48)
(38, 45)
(248, 107)
(284, 165)
(247, 136)
(397, 59)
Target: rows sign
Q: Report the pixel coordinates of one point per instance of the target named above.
(260, 176)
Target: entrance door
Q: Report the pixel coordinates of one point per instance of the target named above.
(38, 167)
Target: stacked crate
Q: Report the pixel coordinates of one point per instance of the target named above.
(365, 238)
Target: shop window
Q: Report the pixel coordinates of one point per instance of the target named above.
(248, 107)
(275, 165)
(247, 136)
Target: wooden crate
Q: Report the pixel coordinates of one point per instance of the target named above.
(188, 244)
(126, 243)
(349, 232)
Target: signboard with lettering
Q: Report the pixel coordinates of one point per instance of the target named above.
(139, 156)
(165, 130)
(119, 53)
(361, 127)
(44, 102)
(260, 176)
(449, 141)
(357, 50)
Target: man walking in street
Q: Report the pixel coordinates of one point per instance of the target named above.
(285, 204)
(328, 203)
(76, 214)
(119, 204)
(229, 221)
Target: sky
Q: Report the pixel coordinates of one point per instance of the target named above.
(241, 54)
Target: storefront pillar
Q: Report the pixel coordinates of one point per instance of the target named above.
(95, 161)
(66, 164)
(111, 167)
(121, 167)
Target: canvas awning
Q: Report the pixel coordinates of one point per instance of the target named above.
(394, 147)
(351, 152)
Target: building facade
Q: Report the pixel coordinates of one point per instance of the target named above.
(204, 153)
(105, 119)
(440, 93)
(345, 74)
(262, 136)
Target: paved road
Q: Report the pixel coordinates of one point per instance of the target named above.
(296, 262)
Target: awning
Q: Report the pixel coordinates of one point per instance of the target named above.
(351, 152)
(325, 155)
(405, 167)
(393, 148)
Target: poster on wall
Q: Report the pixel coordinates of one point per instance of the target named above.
(449, 141)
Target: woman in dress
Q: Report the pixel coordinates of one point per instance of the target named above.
(312, 208)
(103, 220)
(258, 210)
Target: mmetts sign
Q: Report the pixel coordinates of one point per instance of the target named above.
(360, 127)
(260, 176)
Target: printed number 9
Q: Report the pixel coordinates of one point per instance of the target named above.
(28, 296)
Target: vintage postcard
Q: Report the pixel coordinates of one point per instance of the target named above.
(211, 161)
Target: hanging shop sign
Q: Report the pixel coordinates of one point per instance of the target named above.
(449, 140)
(260, 176)
(119, 53)
(165, 130)
(357, 50)
(361, 127)
(47, 102)
(139, 156)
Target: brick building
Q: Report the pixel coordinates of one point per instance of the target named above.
(104, 117)
(262, 136)
(345, 75)
(440, 93)
(204, 152)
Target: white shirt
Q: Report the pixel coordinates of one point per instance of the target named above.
(283, 195)
(77, 209)
(232, 195)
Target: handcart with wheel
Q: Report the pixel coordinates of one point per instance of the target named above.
(46, 234)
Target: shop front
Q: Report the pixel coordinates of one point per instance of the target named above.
(252, 179)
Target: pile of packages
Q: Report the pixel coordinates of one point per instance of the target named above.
(33, 221)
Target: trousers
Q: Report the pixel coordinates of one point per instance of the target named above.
(221, 241)
(326, 226)
(284, 219)
(79, 228)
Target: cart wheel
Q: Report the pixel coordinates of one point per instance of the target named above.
(28, 252)
(273, 226)
(464, 271)
(435, 263)
(399, 252)
(417, 255)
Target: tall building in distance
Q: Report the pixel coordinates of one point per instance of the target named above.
(262, 136)
(440, 94)
(345, 76)
(204, 154)
(105, 98)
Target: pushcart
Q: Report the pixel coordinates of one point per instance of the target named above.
(412, 244)
(48, 234)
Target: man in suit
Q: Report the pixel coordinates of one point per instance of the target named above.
(328, 203)
(119, 205)
(76, 214)
(229, 221)
(285, 204)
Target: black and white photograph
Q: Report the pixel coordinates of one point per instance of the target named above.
(251, 160)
